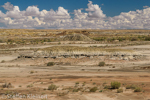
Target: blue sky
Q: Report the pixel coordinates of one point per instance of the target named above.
(106, 12)
(110, 7)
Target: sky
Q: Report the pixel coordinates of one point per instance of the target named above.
(75, 14)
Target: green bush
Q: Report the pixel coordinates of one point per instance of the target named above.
(94, 89)
(31, 85)
(134, 39)
(115, 85)
(77, 82)
(50, 63)
(10, 40)
(75, 90)
(147, 38)
(137, 89)
(2, 61)
(119, 90)
(1, 41)
(101, 64)
(99, 39)
(121, 39)
(52, 87)
(131, 87)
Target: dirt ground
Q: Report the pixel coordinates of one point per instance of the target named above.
(29, 78)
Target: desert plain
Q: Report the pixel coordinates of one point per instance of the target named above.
(74, 64)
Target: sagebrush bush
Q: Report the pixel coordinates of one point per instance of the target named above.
(147, 38)
(119, 90)
(52, 87)
(101, 63)
(1, 41)
(75, 90)
(2, 61)
(50, 63)
(94, 89)
(31, 85)
(115, 85)
(137, 89)
(131, 87)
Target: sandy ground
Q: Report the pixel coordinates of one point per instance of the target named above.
(23, 72)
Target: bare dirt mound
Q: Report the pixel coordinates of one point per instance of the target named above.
(76, 37)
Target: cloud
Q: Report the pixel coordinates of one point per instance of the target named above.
(55, 15)
(8, 6)
(79, 15)
(94, 11)
(145, 6)
(15, 13)
(90, 18)
(32, 11)
(2, 14)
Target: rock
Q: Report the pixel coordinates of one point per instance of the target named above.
(125, 58)
(116, 40)
(72, 57)
(130, 57)
(91, 57)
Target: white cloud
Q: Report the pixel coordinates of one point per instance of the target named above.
(15, 13)
(2, 14)
(55, 15)
(92, 17)
(94, 11)
(79, 15)
(32, 11)
(8, 6)
(145, 6)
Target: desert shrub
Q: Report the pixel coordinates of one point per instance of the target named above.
(94, 83)
(134, 39)
(77, 82)
(52, 87)
(83, 84)
(31, 72)
(20, 86)
(7, 85)
(48, 40)
(62, 94)
(1, 41)
(75, 90)
(137, 89)
(31, 85)
(121, 39)
(131, 87)
(94, 89)
(101, 64)
(10, 40)
(50, 63)
(147, 38)
(115, 85)
(99, 39)
(141, 37)
(110, 39)
(119, 90)
(2, 61)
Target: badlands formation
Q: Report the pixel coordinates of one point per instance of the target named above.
(74, 64)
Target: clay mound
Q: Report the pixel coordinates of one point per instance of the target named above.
(76, 37)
